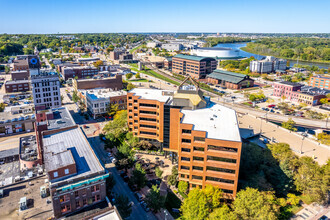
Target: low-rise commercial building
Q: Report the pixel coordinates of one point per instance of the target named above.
(195, 66)
(98, 100)
(114, 83)
(299, 93)
(230, 80)
(268, 65)
(319, 81)
(20, 75)
(16, 122)
(79, 72)
(76, 177)
(17, 86)
(203, 137)
(120, 55)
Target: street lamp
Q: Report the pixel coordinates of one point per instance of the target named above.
(302, 141)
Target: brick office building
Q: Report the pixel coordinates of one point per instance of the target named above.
(202, 136)
(78, 71)
(76, 177)
(319, 81)
(114, 83)
(17, 86)
(20, 75)
(195, 66)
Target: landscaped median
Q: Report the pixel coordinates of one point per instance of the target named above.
(153, 73)
(178, 77)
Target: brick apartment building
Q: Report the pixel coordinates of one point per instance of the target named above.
(78, 71)
(319, 81)
(195, 66)
(17, 86)
(201, 136)
(120, 55)
(230, 80)
(77, 179)
(114, 83)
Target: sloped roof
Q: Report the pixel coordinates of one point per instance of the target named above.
(227, 76)
(194, 98)
(191, 57)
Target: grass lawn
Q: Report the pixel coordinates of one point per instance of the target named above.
(85, 56)
(153, 73)
(172, 201)
(134, 49)
(138, 80)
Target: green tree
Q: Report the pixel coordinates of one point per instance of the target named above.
(123, 205)
(158, 172)
(28, 51)
(2, 107)
(183, 187)
(154, 200)
(129, 75)
(137, 76)
(289, 125)
(139, 176)
(195, 206)
(75, 97)
(7, 69)
(172, 180)
(222, 213)
(324, 101)
(252, 204)
(130, 86)
(118, 126)
(110, 183)
(293, 199)
(112, 109)
(309, 180)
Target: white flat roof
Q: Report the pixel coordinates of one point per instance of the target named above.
(218, 121)
(104, 93)
(152, 94)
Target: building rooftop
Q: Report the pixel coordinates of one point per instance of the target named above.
(153, 94)
(43, 75)
(61, 118)
(57, 156)
(322, 77)
(17, 81)
(290, 83)
(309, 90)
(218, 121)
(213, 48)
(103, 93)
(28, 148)
(227, 76)
(75, 142)
(9, 152)
(191, 57)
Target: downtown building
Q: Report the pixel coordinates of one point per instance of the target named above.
(201, 136)
(46, 90)
(194, 66)
(76, 176)
(268, 65)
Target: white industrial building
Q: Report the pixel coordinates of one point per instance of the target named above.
(172, 46)
(217, 52)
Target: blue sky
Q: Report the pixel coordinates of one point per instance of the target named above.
(77, 16)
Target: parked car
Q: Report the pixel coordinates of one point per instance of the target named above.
(272, 111)
(145, 206)
(138, 196)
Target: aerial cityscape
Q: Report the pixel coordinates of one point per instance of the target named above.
(147, 110)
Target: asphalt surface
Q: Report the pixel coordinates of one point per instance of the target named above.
(120, 187)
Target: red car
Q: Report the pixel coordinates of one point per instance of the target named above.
(271, 106)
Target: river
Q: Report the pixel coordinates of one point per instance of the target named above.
(247, 54)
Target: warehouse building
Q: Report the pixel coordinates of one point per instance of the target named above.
(230, 80)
